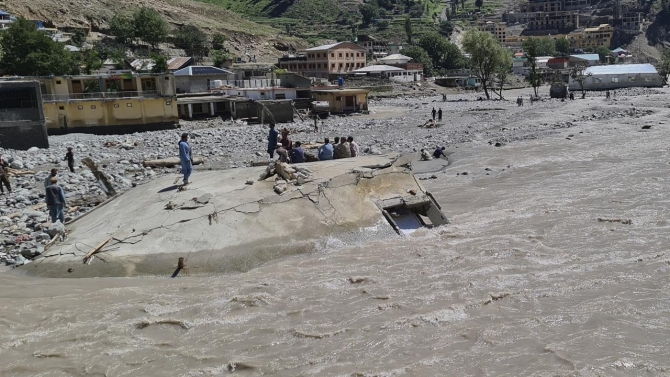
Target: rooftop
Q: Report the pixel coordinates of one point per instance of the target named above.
(201, 70)
(331, 46)
(621, 69)
(586, 56)
(341, 91)
(396, 57)
(378, 68)
(177, 63)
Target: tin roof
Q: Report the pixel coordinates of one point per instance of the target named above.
(378, 68)
(178, 63)
(201, 70)
(621, 69)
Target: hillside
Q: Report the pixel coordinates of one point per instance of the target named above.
(244, 35)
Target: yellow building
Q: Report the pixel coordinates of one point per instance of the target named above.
(109, 103)
(343, 100)
(591, 38)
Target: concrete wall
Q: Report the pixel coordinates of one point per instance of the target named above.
(111, 116)
(281, 110)
(618, 81)
(338, 102)
(22, 124)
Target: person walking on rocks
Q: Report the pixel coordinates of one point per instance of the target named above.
(185, 157)
(55, 197)
(297, 154)
(4, 176)
(47, 180)
(439, 114)
(69, 156)
(326, 150)
(353, 147)
(434, 112)
(273, 139)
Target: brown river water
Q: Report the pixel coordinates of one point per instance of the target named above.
(557, 265)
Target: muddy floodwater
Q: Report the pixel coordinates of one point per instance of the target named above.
(557, 263)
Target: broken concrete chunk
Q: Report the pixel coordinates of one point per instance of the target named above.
(204, 199)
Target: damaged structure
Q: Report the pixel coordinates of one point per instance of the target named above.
(234, 221)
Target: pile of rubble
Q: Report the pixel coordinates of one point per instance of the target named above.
(286, 174)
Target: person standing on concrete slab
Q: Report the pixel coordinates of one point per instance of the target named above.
(55, 197)
(285, 140)
(439, 114)
(282, 153)
(185, 157)
(4, 176)
(434, 113)
(69, 156)
(326, 151)
(343, 150)
(439, 152)
(47, 180)
(273, 137)
(353, 147)
(297, 154)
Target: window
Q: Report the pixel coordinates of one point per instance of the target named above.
(615, 79)
(92, 107)
(332, 54)
(631, 79)
(647, 79)
(57, 82)
(262, 93)
(61, 107)
(128, 80)
(280, 96)
(338, 98)
(168, 103)
(340, 55)
(340, 65)
(80, 107)
(332, 66)
(598, 80)
(346, 55)
(129, 105)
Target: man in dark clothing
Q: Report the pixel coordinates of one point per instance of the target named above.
(4, 176)
(297, 154)
(55, 201)
(69, 156)
(439, 152)
(433, 112)
(439, 114)
(285, 140)
(273, 138)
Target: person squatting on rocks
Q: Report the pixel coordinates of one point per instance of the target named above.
(439, 152)
(273, 139)
(47, 180)
(4, 176)
(55, 197)
(185, 157)
(342, 150)
(425, 156)
(297, 154)
(69, 156)
(285, 140)
(434, 112)
(326, 150)
(353, 147)
(282, 153)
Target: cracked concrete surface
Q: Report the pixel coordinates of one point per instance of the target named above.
(225, 225)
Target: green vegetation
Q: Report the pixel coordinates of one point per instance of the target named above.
(444, 55)
(420, 55)
(487, 56)
(664, 67)
(193, 40)
(145, 24)
(160, 63)
(531, 48)
(579, 75)
(604, 54)
(30, 52)
(563, 46)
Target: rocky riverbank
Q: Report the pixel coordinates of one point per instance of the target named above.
(391, 125)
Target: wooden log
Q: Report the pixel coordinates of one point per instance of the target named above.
(16, 172)
(170, 162)
(96, 249)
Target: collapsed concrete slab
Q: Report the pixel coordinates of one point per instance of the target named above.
(229, 221)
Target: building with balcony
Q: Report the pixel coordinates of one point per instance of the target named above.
(326, 61)
(632, 22)
(109, 104)
(552, 22)
(497, 29)
(592, 38)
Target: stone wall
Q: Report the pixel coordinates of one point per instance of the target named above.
(22, 124)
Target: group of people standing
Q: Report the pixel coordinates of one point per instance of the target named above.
(290, 152)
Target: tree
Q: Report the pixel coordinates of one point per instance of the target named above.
(79, 37)
(479, 4)
(408, 29)
(486, 56)
(563, 46)
(664, 68)
(122, 28)
(502, 72)
(90, 61)
(462, 4)
(443, 54)
(160, 63)
(219, 57)
(30, 52)
(113, 52)
(150, 27)
(578, 74)
(530, 47)
(416, 10)
(446, 28)
(603, 53)
(383, 24)
(369, 13)
(193, 41)
(546, 46)
(420, 55)
(218, 40)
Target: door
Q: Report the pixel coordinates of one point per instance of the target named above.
(349, 103)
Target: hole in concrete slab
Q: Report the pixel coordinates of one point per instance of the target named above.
(406, 219)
